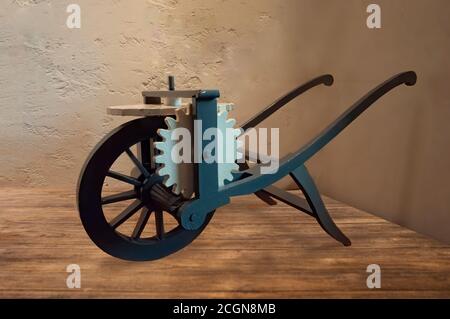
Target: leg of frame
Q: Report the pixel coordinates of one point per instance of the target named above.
(266, 198)
(305, 182)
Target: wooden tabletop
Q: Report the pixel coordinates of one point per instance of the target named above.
(248, 250)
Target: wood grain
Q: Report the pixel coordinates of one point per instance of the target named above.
(155, 109)
(248, 250)
(142, 110)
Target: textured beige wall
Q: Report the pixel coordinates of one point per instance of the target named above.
(55, 83)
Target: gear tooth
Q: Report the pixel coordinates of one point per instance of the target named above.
(159, 145)
(169, 181)
(162, 171)
(159, 159)
(186, 194)
(176, 189)
(165, 134)
(223, 115)
(181, 113)
(170, 122)
(230, 123)
(222, 180)
(227, 176)
(165, 181)
(164, 176)
(237, 132)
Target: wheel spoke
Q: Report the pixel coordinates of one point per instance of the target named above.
(126, 214)
(141, 223)
(136, 162)
(123, 178)
(144, 153)
(159, 222)
(118, 197)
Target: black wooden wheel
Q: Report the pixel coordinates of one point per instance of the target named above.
(128, 234)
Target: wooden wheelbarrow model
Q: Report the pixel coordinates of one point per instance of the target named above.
(150, 200)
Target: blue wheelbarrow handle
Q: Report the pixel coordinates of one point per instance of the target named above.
(193, 213)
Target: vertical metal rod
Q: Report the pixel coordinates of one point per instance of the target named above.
(171, 83)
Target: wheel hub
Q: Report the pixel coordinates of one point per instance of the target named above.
(152, 193)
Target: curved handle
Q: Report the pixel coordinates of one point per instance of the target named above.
(331, 131)
(253, 183)
(326, 79)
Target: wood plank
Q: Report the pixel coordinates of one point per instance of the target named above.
(253, 250)
(155, 109)
(142, 110)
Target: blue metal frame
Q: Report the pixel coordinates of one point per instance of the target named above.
(209, 196)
